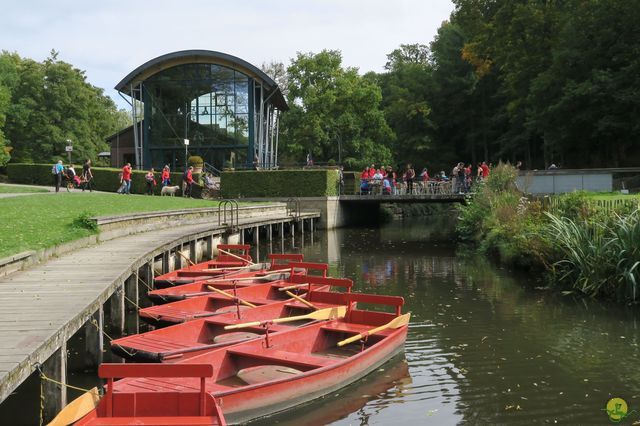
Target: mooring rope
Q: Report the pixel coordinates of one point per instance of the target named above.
(95, 323)
(43, 378)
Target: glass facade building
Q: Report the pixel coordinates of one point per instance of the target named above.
(225, 107)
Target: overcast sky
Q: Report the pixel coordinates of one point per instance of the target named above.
(108, 39)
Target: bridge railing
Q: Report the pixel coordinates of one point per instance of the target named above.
(376, 187)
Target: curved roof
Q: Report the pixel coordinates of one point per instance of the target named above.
(182, 57)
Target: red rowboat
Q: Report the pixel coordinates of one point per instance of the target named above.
(191, 338)
(277, 273)
(224, 265)
(258, 377)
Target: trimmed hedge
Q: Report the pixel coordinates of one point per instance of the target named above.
(279, 183)
(104, 179)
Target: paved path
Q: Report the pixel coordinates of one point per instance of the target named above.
(49, 190)
(44, 306)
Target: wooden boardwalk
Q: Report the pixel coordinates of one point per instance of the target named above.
(42, 307)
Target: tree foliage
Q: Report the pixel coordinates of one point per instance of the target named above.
(44, 104)
(334, 113)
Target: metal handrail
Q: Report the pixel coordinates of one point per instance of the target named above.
(211, 169)
(233, 207)
(293, 207)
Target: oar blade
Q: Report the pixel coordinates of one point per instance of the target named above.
(328, 313)
(77, 409)
(397, 322)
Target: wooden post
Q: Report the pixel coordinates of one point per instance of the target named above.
(193, 251)
(131, 291)
(281, 237)
(166, 256)
(117, 310)
(208, 255)
(145, 278)
(242, 236)
(302, 226)
(55, 396)
(256, 235)
(94, 339)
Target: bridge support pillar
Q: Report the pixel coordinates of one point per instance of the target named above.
(117, 310)
(94, 339)
(55, 396)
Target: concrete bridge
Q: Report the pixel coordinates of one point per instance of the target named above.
(404, 198)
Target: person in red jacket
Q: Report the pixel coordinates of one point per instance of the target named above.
(485, 170)
(126, 178)
(188, 181)
(166, 176)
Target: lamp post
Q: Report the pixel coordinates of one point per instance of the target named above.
(186, 145)
(69, 148)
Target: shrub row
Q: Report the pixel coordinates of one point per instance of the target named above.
(104, 179)
(279, 183)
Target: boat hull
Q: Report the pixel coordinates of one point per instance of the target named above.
(266, 400)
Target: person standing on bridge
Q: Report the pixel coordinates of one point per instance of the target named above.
(409, 176)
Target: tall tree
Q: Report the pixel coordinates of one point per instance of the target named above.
(51, 102)
(405, 91)
(334, 113)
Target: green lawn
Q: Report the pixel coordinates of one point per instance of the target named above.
(36, 221)
(6, 189)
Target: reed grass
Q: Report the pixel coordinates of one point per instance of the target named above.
(598, 258)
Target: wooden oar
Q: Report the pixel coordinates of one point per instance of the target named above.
(256, 278)
(231, 268)
(236, 256)
(322, 314)
(395, 323)
(185, 257)
(300, 299)
(77, 409)
(231, 296)
(292, 287)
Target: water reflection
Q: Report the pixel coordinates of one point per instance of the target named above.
(484, 346)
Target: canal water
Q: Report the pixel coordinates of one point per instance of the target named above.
(484, 345)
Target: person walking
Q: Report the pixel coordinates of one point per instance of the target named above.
(166, 176)
(87, 176)
(150, 180)
(188, 181)
(57, 171)
(126, 178)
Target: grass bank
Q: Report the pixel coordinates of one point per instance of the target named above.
(38, 221)
(580, 242)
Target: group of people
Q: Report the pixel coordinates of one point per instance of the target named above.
(150, 180)
(463, 176)
(84, 181)
(386, 178)
(391, 182)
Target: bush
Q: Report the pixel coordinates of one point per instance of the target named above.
(195, 161)
(104, 179)
(279, 183)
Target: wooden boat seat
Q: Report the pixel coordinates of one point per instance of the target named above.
(284, 357)
(353, 328)
(231, 337)
(266, 373)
